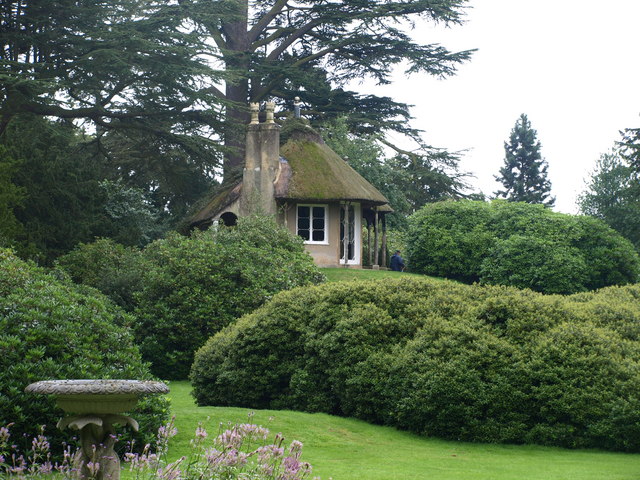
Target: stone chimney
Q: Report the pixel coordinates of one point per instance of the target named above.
(262, 160)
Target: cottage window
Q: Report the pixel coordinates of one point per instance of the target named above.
(312, 223)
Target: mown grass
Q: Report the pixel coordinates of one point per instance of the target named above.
(348, 449)
(349, 274)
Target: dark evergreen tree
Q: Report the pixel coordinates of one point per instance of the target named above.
(630, 146)
(524, 174)
(11, 196)
(57, 190)
(126, 65)
(312, 48)
(612, 195)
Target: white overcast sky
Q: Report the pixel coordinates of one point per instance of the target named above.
(572, 66)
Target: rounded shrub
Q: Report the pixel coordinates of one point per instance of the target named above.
(450, 239)
(197, 285)
(536, 263)
(466, 362)
(114, 269)
(519, 244)
(52, 329)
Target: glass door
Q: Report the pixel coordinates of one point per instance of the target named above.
(350, 234)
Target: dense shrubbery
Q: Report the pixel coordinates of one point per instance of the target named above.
(518, 244)
(196, 285)
(114, 269)
(184, 289)
(473, 363)
(52, 329)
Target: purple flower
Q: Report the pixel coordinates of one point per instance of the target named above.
(4, 434)
(295, 448)
(201, 432)
(93, 468)
(40, 444)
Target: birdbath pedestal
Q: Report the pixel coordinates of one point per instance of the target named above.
(95, 406)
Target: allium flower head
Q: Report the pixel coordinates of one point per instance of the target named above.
(4, 435)
(93, 468)
(201, 433)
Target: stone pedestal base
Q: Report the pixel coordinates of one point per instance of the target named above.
(97, 458)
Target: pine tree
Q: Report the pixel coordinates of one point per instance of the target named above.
(612, 195)
(524, 174)
(630, 147)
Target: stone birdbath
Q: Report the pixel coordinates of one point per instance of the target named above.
(94, 407)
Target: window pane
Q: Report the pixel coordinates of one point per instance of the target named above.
(318, 223)
(304, 234)
(303, 224)
(318, 235)
(318, 212)
(303, 211)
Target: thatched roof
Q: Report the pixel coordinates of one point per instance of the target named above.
(308, 171)
(319, 174)
(216, 205)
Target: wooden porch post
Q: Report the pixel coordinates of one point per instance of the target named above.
(375, 241)
(383, 263)
(369, 241)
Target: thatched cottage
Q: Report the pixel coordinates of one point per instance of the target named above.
(310, 190)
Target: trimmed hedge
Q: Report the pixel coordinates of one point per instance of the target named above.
(473, 363)
(518, 244)
(52, 329)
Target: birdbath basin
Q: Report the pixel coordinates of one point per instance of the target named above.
(95, 406)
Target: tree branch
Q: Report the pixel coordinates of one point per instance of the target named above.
(297, 34)
(259, 27)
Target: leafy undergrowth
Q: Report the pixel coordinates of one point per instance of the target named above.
(348, 274)
(347, 449)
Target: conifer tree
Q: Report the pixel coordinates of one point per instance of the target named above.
(524, 174)
(630, 147)
(278, 49)
(612, 194)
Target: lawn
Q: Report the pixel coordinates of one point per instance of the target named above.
(348, 449)
(348, 274)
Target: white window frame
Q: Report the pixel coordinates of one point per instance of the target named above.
(326, 223)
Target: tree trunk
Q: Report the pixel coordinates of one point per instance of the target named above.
(237, 93)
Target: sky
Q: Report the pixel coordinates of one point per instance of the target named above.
(570, 65)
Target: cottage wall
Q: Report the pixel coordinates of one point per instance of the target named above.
(324, 255)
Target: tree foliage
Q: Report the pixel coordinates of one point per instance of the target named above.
(612, 194)
(280, 49)
(408, 181)
(11, 196)
(62, 203)
(519, 244)
(126, 65)
(60, 191)
(469, 363)
(524, 174)
(630, 147)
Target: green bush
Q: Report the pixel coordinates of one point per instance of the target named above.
(535, 263)
(115, 270)
(465, 362)
(51, 329)
(450, 240)
(199, 284)
(519, 244)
